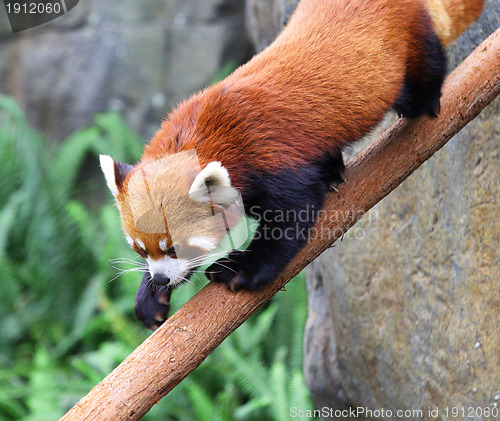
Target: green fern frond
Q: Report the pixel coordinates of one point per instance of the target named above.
(118, 140)
(280, 406)
(42, 400)
(250, 374)
(202, 403)
(70, 156)
(255, 331)
(8, 216)
(298, 392)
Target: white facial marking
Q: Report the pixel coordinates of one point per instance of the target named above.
(163, 244)
(108, 168)
(140, 243)
(130, 240)
(205, 243)
(174, 269)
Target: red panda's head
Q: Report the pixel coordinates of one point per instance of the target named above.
(173, 212)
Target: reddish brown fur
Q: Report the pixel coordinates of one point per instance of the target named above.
(322, 84)
(330, 76)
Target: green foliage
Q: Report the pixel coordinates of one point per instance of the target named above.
(65, 325)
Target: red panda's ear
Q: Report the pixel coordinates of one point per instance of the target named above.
(213, 184)
(114, 173)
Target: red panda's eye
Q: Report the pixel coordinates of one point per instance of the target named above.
(172, 251)
(141, 252)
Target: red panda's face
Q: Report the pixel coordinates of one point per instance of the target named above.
(173, 213)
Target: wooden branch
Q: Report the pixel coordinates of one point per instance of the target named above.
(192, 333)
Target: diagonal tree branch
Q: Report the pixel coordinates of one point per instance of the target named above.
(192, 333)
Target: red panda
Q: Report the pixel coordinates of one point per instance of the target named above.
(274, 130)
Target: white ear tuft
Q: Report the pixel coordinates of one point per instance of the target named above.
(114, 173)
(214, 174)
(213, 184)
(108, 168)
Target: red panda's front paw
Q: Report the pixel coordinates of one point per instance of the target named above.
(223, 270)
(152, 305)
(234, 280)
(237, 271)
(242, 280)
(227, 270)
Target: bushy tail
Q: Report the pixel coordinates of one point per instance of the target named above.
(452, 17)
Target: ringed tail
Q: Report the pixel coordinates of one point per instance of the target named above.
(452, 17)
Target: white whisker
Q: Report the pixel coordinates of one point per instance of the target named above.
(187, 280)
(117, 276)
(227, 267)
(138, 268)
(124, 271)
(127, 263)
(126, 259)
(200, 259)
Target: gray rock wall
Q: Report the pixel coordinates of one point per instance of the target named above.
(405, 312)
(266, 18)
(138, 57)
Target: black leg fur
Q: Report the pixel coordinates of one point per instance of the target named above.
(420, 95)
(333, 170)
(286, 205)
(152, 303)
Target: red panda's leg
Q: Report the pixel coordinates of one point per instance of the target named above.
(334, 170)
(422, 86)
(152, 303)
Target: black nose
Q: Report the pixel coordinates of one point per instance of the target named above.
(160, 280)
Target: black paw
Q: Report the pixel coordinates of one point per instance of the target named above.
(152, 305)
(335, 184)
(435, 109)
(229, 272)
(224, 269)
(234, 280)
(243, 280)
(332, 169)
